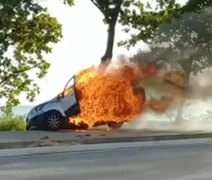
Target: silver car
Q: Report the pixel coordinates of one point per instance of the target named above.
(53, 114)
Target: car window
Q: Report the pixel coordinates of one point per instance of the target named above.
(69, 86)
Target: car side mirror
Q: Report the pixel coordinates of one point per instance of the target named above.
(61, 95)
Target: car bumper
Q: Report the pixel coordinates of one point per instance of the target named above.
(37, 121)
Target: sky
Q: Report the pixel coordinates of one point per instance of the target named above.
(82, 45)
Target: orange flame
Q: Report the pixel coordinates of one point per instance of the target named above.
(108, 95)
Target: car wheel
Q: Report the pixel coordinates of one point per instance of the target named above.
(141, 91)
(114, 125)
(54, 120)
(78, 127)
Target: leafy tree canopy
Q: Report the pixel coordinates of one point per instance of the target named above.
(186, 40)
(26, 33)
(195, 5)
(142, 19)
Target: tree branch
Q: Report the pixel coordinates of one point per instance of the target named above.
(116, 11)
(99, 7)
(17, 72)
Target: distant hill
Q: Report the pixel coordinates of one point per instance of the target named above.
(20, 110)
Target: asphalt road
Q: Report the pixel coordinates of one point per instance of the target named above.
(94, 136)
(170, 160)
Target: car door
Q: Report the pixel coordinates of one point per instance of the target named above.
(69, 98)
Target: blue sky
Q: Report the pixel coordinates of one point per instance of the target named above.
(83, 43)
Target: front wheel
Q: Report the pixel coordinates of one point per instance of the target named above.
(54, 120)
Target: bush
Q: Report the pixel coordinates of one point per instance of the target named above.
(12, 123)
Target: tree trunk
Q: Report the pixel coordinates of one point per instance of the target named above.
(187, 68)
(110, 42)
(179, 116)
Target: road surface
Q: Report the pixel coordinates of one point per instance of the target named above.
(47, 138)
(168, 160)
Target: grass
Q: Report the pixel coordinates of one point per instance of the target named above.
(12, 123)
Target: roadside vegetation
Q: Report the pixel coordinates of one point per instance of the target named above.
(15, 124)
(11, 122)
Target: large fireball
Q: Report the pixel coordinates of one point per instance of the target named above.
(107, 96)
(113, 94)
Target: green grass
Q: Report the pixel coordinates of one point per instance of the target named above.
(12, 123)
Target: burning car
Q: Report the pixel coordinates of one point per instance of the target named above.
(90, 98)
(100, 96)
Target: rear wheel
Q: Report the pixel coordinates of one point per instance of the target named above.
(81, 126)
(54, 120)
(141, 91)
(114, 125)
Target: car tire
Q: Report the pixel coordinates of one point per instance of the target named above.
(54, 120)
(78, 127)
(114, 125)
(141, 91)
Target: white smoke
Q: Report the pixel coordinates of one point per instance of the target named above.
(197, 112)
(197, 105)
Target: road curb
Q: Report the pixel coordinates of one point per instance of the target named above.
(146, 138)
(101, 140)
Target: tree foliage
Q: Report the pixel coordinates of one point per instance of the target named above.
(195, 6)
(69, 2)
(186, 41)
(135, 15)
(143, 19)
(26, 33)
